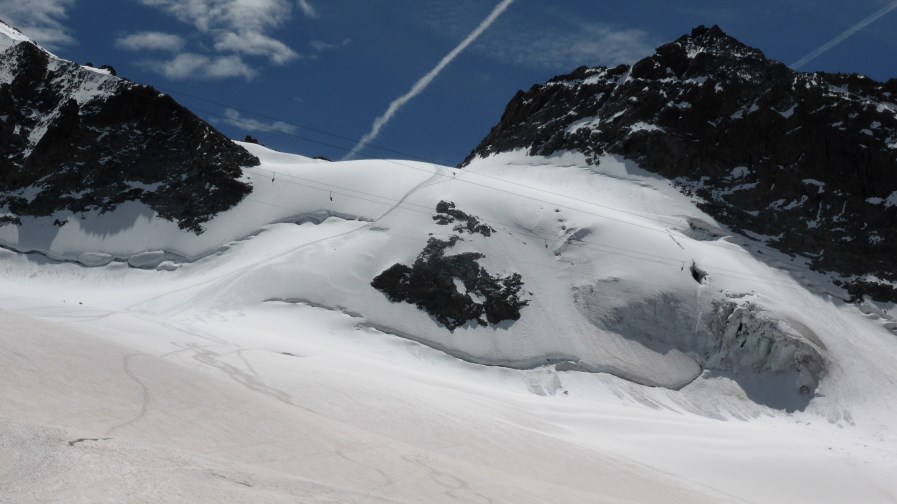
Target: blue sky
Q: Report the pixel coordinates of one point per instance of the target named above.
(311, 76)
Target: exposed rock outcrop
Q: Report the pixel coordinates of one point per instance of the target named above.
(76, 139)
(430, 283)
(803, 161)
(448, 213)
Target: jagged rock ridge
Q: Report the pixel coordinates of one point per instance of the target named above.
(454, 289)
(447, 213)
(430, 284)
(803, 161)
(75, 139)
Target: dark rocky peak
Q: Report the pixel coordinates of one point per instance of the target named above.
(802, 161)
(707, 53)
(75, 139)
(713, 42)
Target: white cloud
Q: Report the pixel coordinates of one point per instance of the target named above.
(317, 47)
(241, 15)
(151, 41)
(234, 118)
(256, 44)
(235, 28)
(40, 20)
(582, 44)
(542, 36)
(238, 26)
(191, 66)
(307, 8)
(321, 46)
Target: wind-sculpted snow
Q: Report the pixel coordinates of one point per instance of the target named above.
(255, 362)
(777, 362)
(134, 229)
(510, 296)
(320, 232)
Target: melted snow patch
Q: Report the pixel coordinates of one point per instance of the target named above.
(591, 123)
(101, 71)
(891, 200)
(745, 110)
(817, 183)
(643, 126)
(739, 172)
(888, 202)
(794, 204)
(787, 113)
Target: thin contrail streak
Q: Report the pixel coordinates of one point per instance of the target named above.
(425, 81)
(841, 38)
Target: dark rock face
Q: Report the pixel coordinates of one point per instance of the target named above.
(447, 214)
(430, 284)
(72, 139)
(808, 161)
(860, 288)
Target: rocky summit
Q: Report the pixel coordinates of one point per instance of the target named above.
(75, 139)
(805, 162)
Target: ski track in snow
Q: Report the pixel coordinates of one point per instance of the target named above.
(145, 396)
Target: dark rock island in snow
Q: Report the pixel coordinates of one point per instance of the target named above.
(448, 213)
(430, 283)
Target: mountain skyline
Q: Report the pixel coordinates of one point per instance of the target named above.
(286, 71)
(565, 319)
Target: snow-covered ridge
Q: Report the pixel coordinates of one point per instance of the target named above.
(387, 209)
(77, 82)
(286, 188)
(10, 36)
(655, 347)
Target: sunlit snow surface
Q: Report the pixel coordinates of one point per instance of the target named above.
(255, 363)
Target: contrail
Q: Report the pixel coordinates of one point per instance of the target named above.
(841, 38)
(425, 81)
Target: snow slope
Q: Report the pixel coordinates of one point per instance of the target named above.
(10, 36)
(255, 363)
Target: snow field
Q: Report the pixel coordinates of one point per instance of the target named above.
(254, 363)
